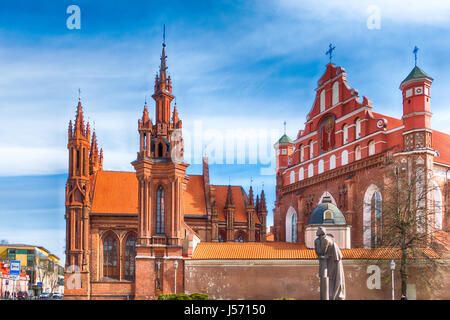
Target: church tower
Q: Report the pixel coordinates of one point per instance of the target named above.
(161, 173)
(78, 208)
(418, 155)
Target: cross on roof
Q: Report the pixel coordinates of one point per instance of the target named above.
(415, 55)
(164, 34)
(330, 50)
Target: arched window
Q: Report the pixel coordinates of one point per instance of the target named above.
(294, 228)
(292, 176)
(375, 209)
(344, 158)
(301, 174)
(357, 153)
(310, 170)
(358, 129)
(335, 93)
(302, 154)
(130, 255)
(321, 166)
(160, 149)
(437, 198)
(322, 101)
(160, 211)
(371, 148)
(311, 150)
(222, 236)
(332, 162)
(327, 194)
(291, 225)
(372, 217)
(110, 264)
(345, 134)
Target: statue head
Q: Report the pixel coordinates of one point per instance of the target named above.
(321, 231)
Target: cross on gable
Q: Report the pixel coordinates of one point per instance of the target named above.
(415, 55)
(331, 48)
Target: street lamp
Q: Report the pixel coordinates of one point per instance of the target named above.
(175, 264)
(392, 269)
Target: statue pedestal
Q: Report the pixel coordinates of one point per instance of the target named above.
(324, 288)
(324, 280)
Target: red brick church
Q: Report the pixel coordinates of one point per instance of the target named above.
(133, 235)
(340, 151)
(128, 233)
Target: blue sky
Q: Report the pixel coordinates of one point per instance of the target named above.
(239, 65)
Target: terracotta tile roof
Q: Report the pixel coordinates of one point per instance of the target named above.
(441, 142)
(391, 122)
(239, 199)
(115, 192)
(194, 197)
(283, 251)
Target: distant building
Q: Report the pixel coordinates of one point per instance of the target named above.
(42, 268)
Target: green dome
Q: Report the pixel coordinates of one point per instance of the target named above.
(416, 73)
(284, 139)
(326, 213)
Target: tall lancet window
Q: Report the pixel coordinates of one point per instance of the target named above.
(110, 265)
(160, 211)
(294, 228)
(376, 227)
(130, 254)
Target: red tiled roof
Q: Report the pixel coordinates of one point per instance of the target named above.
(441, 143)
(283, 251)
(239, 199)
(391, 122)
(194, 197)
(115, 192)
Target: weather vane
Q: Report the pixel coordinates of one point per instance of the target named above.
(415, 55)
(164, 35)
(330, 51)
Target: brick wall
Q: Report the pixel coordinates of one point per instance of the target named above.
(298, 279)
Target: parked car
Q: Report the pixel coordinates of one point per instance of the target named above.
(21, 295)
(57, 295)
(45, 295)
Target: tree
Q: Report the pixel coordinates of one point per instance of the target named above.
(406, 223)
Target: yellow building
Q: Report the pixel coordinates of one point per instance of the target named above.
(43, 268)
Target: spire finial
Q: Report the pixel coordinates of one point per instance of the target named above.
(415, 55)
(284, 126)
(145, 102)
(330, 51)
(164, 35)
(79, 94)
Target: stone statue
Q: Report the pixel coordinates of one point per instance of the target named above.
(331, 271)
